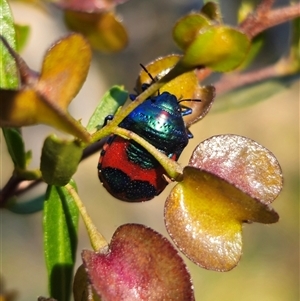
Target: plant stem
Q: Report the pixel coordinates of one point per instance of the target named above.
(263, 18)
(98, 242)
(173, 169)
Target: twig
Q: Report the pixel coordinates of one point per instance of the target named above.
(232, 81)
(261, 19)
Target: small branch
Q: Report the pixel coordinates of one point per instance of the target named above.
(262, 19)
(232, 81)
(17, 185)
(98, 242)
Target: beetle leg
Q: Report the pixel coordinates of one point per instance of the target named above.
(189, 134)
(185, 110)
(108, 118)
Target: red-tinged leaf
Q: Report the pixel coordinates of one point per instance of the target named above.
(104, 30)
(139, 265)
(64, 69)
(204, 216)
(88, 5)
(243, 163)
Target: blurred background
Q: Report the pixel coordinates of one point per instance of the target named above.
(269, 268)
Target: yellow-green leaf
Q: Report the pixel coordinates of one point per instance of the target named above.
(183, 86)
(204, 216)
(187, 28)
(64, 69)
(26, 107)
(220, 48)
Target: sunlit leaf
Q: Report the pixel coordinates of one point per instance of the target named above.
(26, 107)
(183, 86)
(60, 224)
(139, 265)
(220, 48)
(110, 102)
(64, 69)
(104, 30)
(44, 100)
(59, 160)
(242, 162)
(204, 216)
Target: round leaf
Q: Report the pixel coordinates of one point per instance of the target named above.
(64, 69)
(220, 48)
(104, 30)
(204, 216)
(187, 28)
(242, 162)
(140, 265)
(183, 86)
(88, 5)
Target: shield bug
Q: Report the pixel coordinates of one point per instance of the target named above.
(125, 168)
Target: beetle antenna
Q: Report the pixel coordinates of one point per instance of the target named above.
(149, 74)
(189, 99)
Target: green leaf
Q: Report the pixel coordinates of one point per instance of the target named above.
(60, 224)
(59, 160)
(15, 146)
(32, 206)
(110, 102)
(22, 33)
(8, 70)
